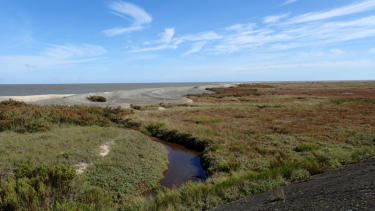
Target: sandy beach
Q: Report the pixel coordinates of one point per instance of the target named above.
(122, 98)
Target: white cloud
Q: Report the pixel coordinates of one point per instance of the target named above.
(274, 18)
(241, 27)
(167, 35)
(196, 48)
(284, 46)
(362, 22)
(172, 42)
(289, 2)
(337, 51)
(199, 37)
(74, 51)
(155, 48)
(137, 15)
(345, 10)
(122, 30)
(287, 34)
(54, 57)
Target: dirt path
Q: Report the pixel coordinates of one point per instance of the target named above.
(348, 188)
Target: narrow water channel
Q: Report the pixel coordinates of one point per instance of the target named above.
(184, 165)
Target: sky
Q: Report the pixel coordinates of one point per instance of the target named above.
(105, 41)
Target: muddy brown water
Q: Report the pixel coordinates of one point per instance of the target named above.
(184, 165)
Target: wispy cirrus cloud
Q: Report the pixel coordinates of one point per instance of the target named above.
(74, 51)
(279, 33)
(275, 18)
(337, 51)
(281, 37)
(169, 41)
(337, 12)
(289, 2)
(167, 35)
(240, 27)
(196, 48)
(138, 16)
(54, 56)
(288, 33)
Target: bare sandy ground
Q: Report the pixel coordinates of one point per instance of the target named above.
(117, 98)
(104, 151)
(105, 148)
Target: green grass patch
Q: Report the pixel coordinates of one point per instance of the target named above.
(134, 165)
(306, 147)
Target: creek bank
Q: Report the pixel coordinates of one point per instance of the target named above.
(184, 165)
(156, 130)
(185, 160)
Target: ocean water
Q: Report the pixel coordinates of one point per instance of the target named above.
(41, 89)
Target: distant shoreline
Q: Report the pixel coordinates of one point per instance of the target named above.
(122, 98)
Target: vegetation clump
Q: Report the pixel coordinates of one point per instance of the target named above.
(21, 117)
(35, 187)
(306, 147)
(135, 107)
(97, 98)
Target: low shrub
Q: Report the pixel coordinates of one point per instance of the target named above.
(154, 128)
(12, 102)
(299, 174)
(94, 195)
(306, 147)
(97, 98)
(360, 154)
(203, 196)
(230, 166)
(313, 166)
(136, 107)
(42, 187)
(35, 186)
(22, 118)
(74, 206)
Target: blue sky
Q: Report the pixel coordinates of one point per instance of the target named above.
(104, 41)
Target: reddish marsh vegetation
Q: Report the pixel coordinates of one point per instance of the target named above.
(21, 117)
(292, 130)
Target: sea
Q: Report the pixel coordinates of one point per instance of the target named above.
(42, 89)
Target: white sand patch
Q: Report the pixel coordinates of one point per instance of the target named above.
(161, 108)
(105, 149)
(81, 167)
(189, 100)
(34, 98)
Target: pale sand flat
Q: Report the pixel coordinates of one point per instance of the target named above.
(120, 98)
(34, 98)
